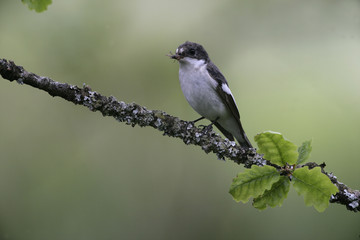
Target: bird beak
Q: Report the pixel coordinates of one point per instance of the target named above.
(174, 56)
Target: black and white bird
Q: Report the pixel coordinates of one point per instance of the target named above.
(207, 91)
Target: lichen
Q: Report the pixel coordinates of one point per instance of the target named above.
(354, 204)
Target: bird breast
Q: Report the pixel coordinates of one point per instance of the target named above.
(199, 89)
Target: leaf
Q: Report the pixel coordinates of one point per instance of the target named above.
(304, 152)
(275, 196)
(276, 149)
(315, 186)
(253, 182)
(37, 5)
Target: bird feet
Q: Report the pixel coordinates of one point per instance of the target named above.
(198, 120)
(209, 127)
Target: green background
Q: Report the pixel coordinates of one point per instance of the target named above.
(68, 173)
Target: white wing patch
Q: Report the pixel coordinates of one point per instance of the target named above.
(226, 89)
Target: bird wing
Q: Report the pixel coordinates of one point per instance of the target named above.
(227, 98)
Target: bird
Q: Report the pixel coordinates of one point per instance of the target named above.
(207, 91)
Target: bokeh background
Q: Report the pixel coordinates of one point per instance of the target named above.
(68, 173)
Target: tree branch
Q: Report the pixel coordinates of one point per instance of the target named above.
(134, 114)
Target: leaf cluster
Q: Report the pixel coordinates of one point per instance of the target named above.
(37, 5)
(269, 186)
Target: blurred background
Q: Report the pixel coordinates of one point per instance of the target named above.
(68, 173)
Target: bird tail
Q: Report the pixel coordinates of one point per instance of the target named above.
(227, 134)
(241, 138)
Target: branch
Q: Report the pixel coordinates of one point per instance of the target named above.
(134, 114)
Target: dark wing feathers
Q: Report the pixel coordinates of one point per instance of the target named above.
(230, 103)
(228, 99)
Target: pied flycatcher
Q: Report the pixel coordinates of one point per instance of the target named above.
(207, 91)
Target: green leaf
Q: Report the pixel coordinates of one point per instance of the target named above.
(304, 152)
(276, 149)
(253, 182)
(37, 5)
(275, 196)
(315, 186)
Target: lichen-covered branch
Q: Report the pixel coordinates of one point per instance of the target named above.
(134, 114)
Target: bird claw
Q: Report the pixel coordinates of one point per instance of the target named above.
(206, 128)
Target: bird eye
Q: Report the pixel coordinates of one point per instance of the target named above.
(192, 52)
